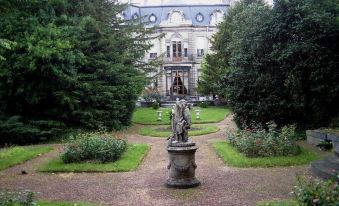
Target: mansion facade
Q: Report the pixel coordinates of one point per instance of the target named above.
(188, 27)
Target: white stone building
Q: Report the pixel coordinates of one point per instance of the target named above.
(188, 26)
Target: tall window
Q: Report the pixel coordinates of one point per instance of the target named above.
(168, 51)
(176, 48)
(200, 52)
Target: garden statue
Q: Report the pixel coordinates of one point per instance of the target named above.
(181, 151)
(181, 121)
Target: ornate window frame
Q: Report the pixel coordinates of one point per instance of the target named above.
(197, 17)
(155, 18)
(135, 16)
(216, 20)
(170, 13)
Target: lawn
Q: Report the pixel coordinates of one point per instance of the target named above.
(17, 155)
(278, 203)
(233, 158)
(129, 161)
(148, 115)
(164, 131)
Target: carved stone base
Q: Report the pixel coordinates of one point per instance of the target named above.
(182, 165)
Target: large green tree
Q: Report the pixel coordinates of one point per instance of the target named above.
(280, 63)
(74, 64)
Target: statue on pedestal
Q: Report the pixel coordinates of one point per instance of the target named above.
(181, 167)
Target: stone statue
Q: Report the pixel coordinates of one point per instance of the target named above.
(181, 166)
(181, 122)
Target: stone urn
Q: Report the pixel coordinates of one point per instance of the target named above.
(182, 165)
(329, 166)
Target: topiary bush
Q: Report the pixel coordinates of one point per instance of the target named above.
(259, 142)
(93, 146)
(317, 192)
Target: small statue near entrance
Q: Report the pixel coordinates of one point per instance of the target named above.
(181, 121)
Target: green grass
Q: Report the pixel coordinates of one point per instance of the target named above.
(129, 161)
(233, 158)
(17, 155)
(148, 115)
(201, 130)
(58, 203)
(278, 203)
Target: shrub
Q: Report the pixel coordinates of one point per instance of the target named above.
(93, 146)
(155, 105)
(317, 192)
(202, 104)
(152, 97)
(25, 198)
(259, 142)
(325, 145)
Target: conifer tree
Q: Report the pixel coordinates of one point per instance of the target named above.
(74, 65)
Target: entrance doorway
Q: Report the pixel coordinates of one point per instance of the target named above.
(177, 81)
(178, 88)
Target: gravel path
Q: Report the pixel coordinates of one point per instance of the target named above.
(221, 185)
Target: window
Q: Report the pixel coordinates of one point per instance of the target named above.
(200, 52)
(153, 55)
(152, 18)
(168, 51)
(135, 16)
(176, 16)
(216, 17)
(199, 17)
(176, 48)
(185, 52)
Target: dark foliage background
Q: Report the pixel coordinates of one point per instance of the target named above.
(67, 64)
(279, 63)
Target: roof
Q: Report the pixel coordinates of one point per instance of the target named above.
(190, 11)
(174, 2)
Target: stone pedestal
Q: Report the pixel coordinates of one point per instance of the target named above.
(329, 166)
(182, 165)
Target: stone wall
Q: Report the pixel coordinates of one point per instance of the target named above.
(314, 137)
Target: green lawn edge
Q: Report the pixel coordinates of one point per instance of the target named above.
(277, 203)
(205, 129)
(12, 156)
(233, 158)
(129, 161)
(148, 116)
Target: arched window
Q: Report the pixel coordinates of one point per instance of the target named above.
(176, 16)
(216, 17)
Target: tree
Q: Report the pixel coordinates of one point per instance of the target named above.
(74, 65)
(281, 63)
